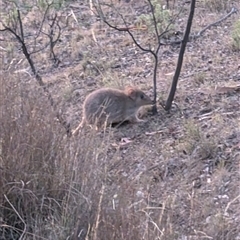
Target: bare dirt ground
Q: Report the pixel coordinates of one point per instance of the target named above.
(180, 171)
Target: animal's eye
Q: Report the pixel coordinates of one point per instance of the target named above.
(142, 96)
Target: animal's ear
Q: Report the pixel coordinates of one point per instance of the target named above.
(131, 92)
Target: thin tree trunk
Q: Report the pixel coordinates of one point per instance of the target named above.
(180, 58)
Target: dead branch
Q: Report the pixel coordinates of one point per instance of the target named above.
(120, 29)
(20, 39)
(52, 42)
(154, 21)
(180, 58)
(43, 19)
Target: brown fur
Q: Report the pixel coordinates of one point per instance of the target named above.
(109, 105)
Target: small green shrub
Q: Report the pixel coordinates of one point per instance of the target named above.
(236, 36)
(163, 17)
(199, 78)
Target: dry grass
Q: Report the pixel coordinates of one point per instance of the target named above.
(174, 177)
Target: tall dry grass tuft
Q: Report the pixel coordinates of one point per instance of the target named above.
(53, 187)
(47, 181)
(30, 152)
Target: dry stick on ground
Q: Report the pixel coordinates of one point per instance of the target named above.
(21, 40)
(200, 33)
(127, 29)
(233, 10)
(180, 58)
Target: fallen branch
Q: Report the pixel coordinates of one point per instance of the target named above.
(200, 33)
(233, 10)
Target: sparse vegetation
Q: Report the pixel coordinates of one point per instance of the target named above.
(236, 36)
(162, 15)
(199, 78)
(195, 140)
(174, 177)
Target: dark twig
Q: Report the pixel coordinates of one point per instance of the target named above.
(51, 38)
(131, 35)
(20, 23)
(154, 21)
(43, 19)
(180, 58)
(125, 29)
(40, 49)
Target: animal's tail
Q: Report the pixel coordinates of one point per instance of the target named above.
(76, 130)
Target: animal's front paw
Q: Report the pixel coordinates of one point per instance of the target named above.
(141, 120)
(137, 120)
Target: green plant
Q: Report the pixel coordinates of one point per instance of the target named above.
(199, 78)
(236, 36)
(57, 4)
(162, 16)
(193, 136)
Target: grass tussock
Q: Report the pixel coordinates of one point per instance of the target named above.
(48, 184)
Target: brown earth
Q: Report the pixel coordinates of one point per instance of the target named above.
(178, 174)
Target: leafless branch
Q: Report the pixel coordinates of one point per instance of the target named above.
(154, 21)
(51, 38)
(120, 29)
(43, 19)
(20, 23)
(146, 50)
(20, 39)
(40, 49)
